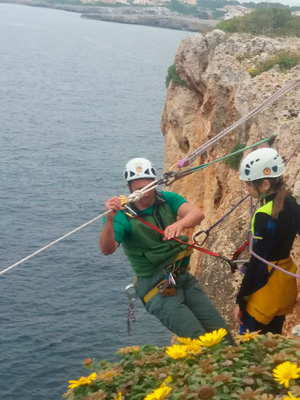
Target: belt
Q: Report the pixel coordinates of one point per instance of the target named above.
(153, 291)
(148, 296)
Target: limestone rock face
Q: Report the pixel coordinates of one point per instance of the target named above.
(221, 90)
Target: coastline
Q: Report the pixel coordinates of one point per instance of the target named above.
(160, 18)
(178, 23)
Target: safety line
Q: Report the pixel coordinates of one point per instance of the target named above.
(171, 176)
(137, 195)
(201, 149)
(271, 138)
(207, 231)
(132, 198)
(54, 242)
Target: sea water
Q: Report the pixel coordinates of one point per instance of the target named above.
(78, 99)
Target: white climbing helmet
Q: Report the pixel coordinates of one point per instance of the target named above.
(139, 168)
(261, 163)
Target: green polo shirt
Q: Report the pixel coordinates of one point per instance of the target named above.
(122, 227)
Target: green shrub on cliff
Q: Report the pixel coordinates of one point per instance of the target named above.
(173, 76)
(284, 62)
(268, 21)
(234, 161)
(260, 367)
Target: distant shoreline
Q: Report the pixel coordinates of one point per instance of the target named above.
(124, 16)
(178, 23)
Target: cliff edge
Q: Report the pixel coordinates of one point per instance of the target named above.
(220, 89)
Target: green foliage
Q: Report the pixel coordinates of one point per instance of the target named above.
(284, 62)
(173, 76)
(213, 4)
(272, 22)
(181, 8)
(218, 372)
(217, 14)
(234, 161)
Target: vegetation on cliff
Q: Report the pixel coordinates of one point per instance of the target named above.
(234, 161)
(273, 22)
(260, 367)
(284, 62)
(173, 76)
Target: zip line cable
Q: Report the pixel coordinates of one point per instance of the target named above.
(138, 194)
(182, 173)
(204, 147)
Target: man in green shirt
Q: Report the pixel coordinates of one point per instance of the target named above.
(163, 282)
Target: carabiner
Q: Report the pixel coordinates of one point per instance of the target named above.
(200, 233)
(130, 292)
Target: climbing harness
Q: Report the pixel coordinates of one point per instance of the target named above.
(190, 245)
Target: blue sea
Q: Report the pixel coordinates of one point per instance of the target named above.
(78, 99)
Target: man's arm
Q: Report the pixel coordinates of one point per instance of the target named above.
(190, 216)
(107, 242)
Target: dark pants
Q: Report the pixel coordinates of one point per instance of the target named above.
(189, 313)
(275, 326)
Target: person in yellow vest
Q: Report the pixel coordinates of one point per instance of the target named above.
(166, 288)
(267, 294)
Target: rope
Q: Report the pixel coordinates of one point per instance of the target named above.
(200, 150)
(231, 222)
(137, 195)
(54, 242)
(269, 263)
(207, 231)
(178, 175)
(190, 245)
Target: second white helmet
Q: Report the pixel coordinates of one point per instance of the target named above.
(261, 163)
(139, 168)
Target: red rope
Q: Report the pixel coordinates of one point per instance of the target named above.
(191, 245)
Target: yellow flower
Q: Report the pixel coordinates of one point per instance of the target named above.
(212, 338)
(194, 346)
(83, 381)
(248, 336)
(251, 70)
(159, 394)
(168, 379)
(176, 351)
(126, 350)
(291, 397)
(119, 397)
(284, 372)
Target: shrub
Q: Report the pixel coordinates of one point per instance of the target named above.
(284, 61)
(234, 161)
(181, 8)
(173, 76)
(267, 21)
(260, 367)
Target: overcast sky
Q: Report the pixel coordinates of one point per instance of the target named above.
(285, 2)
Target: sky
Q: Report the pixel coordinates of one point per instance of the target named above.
(285, 2)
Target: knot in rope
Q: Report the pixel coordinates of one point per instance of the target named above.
(135, 196)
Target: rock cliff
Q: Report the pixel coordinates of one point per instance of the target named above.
(220, 91)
